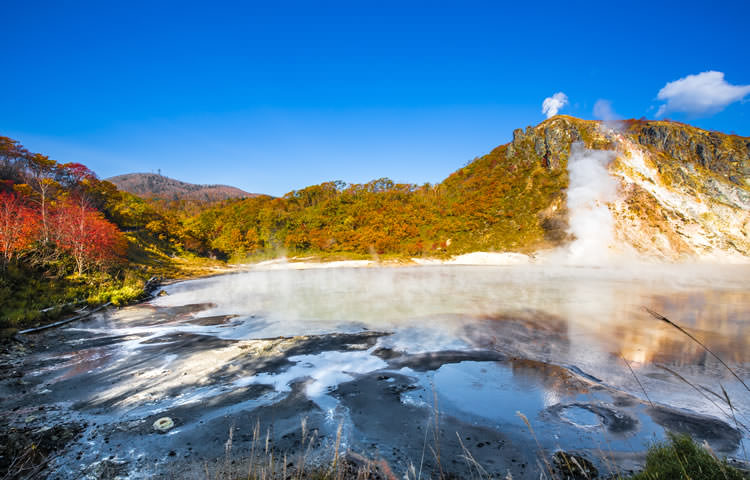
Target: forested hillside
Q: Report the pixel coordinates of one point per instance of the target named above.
(67, 237)
(494, 203)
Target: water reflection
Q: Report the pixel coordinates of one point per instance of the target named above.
(543, 309)
(585, 318)
(717, 318)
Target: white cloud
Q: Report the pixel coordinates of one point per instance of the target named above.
(702, 94)
(553, 104)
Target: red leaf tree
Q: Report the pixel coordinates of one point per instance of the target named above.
(19, 226)
(72, 174)
(87, 236)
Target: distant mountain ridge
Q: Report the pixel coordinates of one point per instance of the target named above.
(152, 185)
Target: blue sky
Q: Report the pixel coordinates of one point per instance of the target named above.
(274, 98)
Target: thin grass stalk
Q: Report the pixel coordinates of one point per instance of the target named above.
(567, 463)
(636, 378)
(609, 462)
(705, 388)
(301, 466)
(436, 433)
(611, 467)
(580, 468)
(310, 443)
(682, 465)
(40, 466)
(411, 471)
(542, 473)
(268, 439)
(710, 450)
(541, 450)
(368, 472)
(696, 388)
(664, 319)
(269, 469)
(744, 417)
(470, 460)
(18, 467)
(424, 449)
(256, 435)
(731, 408)
(336, 450)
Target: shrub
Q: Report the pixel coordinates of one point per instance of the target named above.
(681, 458)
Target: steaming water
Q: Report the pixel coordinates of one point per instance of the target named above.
(582, 317)
(190, 354)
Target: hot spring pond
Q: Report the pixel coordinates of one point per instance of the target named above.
(406, 361)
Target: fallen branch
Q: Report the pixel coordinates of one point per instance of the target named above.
(65, 305)
(63, 322)
(151, 284)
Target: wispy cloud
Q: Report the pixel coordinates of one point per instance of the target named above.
(603, 111)
(702, 94)
(554, 104)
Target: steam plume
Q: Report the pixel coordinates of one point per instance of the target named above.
(603, 111)
(591, 188)
(554, 104)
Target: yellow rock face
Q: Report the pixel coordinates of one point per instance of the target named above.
(701, 215)
(684, 193)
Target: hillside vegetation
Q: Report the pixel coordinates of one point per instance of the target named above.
(68, 236)
(512, 199)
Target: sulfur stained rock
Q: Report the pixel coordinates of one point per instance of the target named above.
(725, 155)
(548, 144)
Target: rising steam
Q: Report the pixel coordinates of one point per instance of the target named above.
(554, 104)
(591, 188)
(603, 111)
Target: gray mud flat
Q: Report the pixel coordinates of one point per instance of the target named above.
(418, 368)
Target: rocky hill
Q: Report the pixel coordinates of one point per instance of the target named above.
(151, 185)
(681, 193)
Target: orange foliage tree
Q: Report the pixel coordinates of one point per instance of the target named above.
(19, 226)
(84, 233)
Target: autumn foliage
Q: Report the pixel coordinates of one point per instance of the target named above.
(494, 203)
(19, 226)
(86, 236)
(48, 211)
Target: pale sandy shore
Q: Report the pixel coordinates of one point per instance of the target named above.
(548, 257)
(307, 263)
